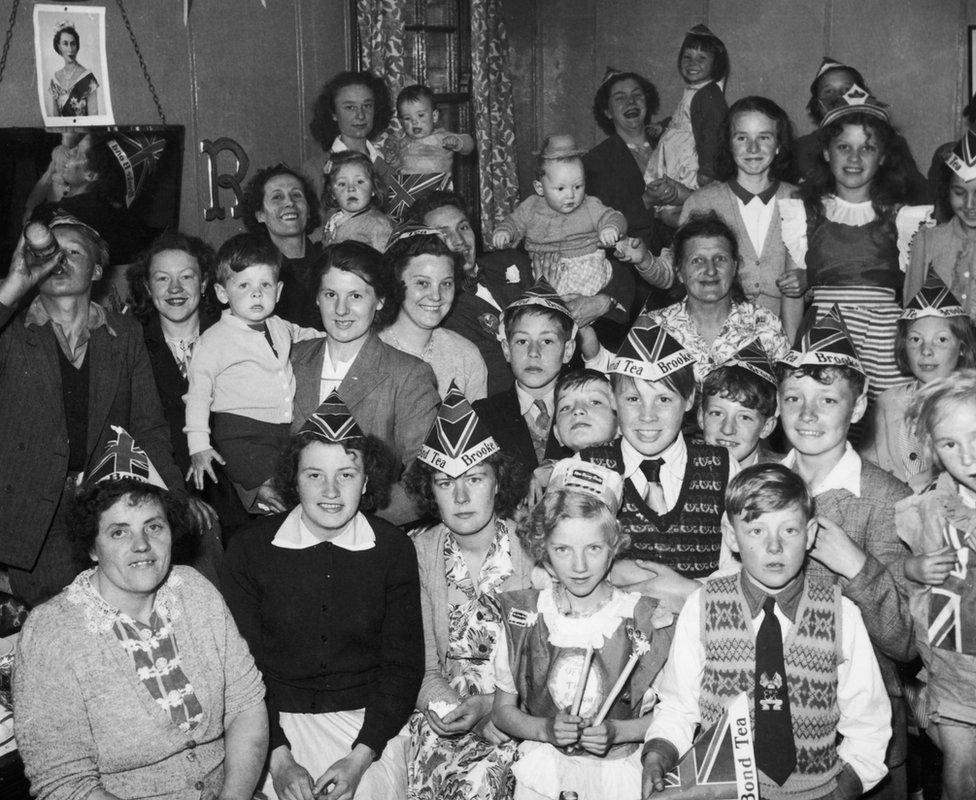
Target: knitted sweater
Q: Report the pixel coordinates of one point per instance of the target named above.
(574, 234)
(811, 653)
(688, 538)
(85, 721)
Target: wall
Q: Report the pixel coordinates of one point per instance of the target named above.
(237, 70)
(912, 53)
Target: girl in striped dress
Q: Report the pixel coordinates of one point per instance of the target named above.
(852, 231)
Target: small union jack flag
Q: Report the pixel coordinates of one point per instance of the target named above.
(405, 190)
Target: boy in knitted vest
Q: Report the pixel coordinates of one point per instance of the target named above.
(790, 641)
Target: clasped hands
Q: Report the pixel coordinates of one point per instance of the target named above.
(574, 733)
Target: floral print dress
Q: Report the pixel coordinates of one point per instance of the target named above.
(466, 767)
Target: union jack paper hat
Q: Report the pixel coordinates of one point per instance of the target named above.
(855, 100)
(934, 299)
(458, 439)
(751, 356)
(332, 423)
(827, 344)
(125, 459)
(650, 353)
(700, 30)
(137, 154)
(610, 74)
(827, 65)
(407, 230)
(540, 294)
(588, 478)
(962, 159)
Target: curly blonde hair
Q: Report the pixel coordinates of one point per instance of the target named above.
(933, 402)
(564, 504)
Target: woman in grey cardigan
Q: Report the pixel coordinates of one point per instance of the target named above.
(465, 561)
(134, 681)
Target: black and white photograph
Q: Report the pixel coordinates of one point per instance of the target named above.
(72, 68)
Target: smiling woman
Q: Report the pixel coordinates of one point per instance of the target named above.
(280, 202)
(327, 597)
(715, 320)
(160, 689)
(429, 273)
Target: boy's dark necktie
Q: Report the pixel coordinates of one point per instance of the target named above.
(775, 748)
(654, 496)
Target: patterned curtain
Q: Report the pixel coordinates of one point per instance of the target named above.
(381, 39)
(491, 93)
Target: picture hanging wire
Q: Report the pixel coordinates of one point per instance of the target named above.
(135, 45)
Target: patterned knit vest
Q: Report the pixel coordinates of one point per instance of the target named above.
(688, 538)
(811, 654)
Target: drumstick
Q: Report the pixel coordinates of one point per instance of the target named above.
(617, 688)
(581, 685)
(640, 645)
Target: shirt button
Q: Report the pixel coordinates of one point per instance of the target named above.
(191, 756)
(324, 638)
(913, 456)
(198, 786)
(325, 607)
(965, 274)
(191, 744)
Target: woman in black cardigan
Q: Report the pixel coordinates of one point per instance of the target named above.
(328, 598)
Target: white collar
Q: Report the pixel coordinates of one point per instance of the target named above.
(591, 631)
(339, 146)
(295, 535)
(845, 213)
(527, 401)
(673, 455)
(846, 473)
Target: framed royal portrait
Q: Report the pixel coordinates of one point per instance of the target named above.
(72, 66)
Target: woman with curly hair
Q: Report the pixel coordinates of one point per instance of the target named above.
(134, 681)
(171, 286)
(428, 274)
(280, 202)
(328, 599)
(623, 107)
(467, 558)
(350, 113)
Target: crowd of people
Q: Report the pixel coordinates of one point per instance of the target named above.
(353, 507)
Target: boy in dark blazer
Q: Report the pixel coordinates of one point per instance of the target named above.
(538, 339)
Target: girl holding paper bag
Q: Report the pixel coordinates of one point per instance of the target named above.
(577, 657)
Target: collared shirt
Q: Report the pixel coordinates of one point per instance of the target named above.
(865, 713)
(339, 146)
(787, 598)
(333, 373)
(527, 401)
(845, 474)
(675, 457)
(37, 315)
(756, 210)
(294, 534)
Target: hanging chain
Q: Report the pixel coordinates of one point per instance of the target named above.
(8, 37)
(142, 61)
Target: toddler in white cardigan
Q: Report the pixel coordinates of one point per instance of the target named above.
(240, 373)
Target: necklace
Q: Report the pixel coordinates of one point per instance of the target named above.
(565, 607)
(423, 355)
